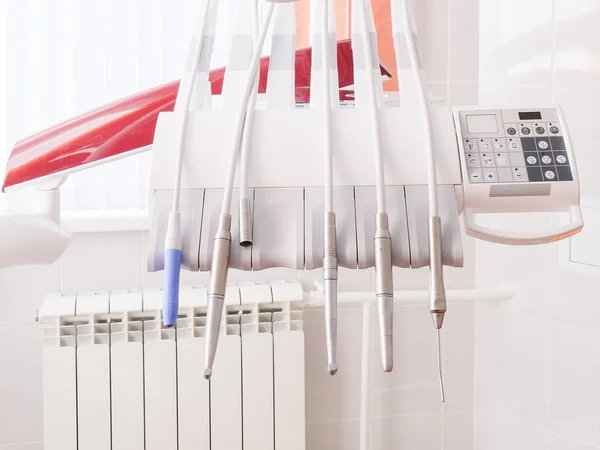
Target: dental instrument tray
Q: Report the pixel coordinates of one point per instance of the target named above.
(514, 161)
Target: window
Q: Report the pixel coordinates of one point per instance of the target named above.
(61, 58)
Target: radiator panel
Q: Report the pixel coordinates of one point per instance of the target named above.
(114, 379)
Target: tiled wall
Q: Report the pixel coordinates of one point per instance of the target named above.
(537, 358)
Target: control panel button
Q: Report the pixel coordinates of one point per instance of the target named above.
(511, 131)
(484, 145)
(487, 160)
(505, 175)
(502, 159)
(525, 131)
(561, 158)
(554, 129)
(473, 160)
(499, 144)
(549, 175)
(528, 144)
(531, 160)
(543, 145)
(517, 159)
(514, 145)
(490, 176)
(545, 158)
(520, 174)
(475, 176)
(535, 173)
(564, 173)
(470, 145)
(540, 131)
(557, 143)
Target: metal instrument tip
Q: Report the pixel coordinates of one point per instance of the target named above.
(332, 368)
(207, 374)
(440, 373)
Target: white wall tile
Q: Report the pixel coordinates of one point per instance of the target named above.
(458, 431)
(22, 290)
(516, 42)
(581, 110)
(329, 435)
(21, 384)
(574, 392)
(416, 432)
(333, 398)
(492, 433)
(102, 261)
(510, 365)
(527, 267)
(412, 387)
(23, 446)
(572, 296)
(493, 94)
(556, 442)
(458, 348)
(577, 45)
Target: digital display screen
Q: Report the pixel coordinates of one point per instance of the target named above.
(534, 115)
(482, 123)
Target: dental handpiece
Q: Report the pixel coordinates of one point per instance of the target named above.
(216, 290)
(330, 275)
(384, 289)
(437, 291)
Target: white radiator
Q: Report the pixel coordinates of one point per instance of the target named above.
(115, 379)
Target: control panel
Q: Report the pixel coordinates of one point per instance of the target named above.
(510, 146)
(517, 160)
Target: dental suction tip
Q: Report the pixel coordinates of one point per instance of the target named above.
(332, 368)
(207, 374)
(440, 374)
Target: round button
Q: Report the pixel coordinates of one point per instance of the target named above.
(519, 175)
(512, 131)
(543, 145)
(525, 130)
(485, 146)
(554, 130)
(540, 130)
(546, 159)
(531, 159)
(499, 146)
(561, 159)
(549, 174)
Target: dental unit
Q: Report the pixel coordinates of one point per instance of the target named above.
(332, 172)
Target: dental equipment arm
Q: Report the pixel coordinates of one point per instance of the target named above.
(173, 239)
(384, 283)
(330, 262)
(244, 209)
(437, 292)
(222, 242)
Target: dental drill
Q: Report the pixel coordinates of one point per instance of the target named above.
(330, 262)
(437, 292)
(244, 208)
(382, 241)
(222, 241)
(173, 239)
